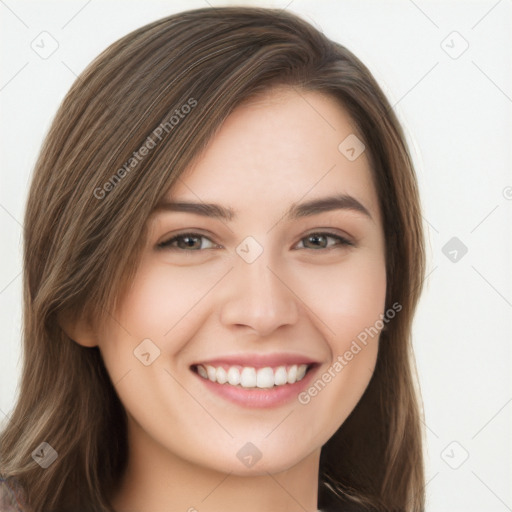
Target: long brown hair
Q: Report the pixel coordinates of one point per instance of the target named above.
(85, 223)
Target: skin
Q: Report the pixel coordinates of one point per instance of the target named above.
(296, 297)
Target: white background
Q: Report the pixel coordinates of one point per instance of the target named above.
(457, 114)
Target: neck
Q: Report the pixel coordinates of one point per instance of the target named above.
(156, 479)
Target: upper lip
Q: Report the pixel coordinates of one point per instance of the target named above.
(257, 360)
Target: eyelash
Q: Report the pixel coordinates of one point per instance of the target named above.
(166, 244)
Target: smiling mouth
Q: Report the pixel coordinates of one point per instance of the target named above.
(248, 377)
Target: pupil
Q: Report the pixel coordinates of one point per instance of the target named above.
(190, 241)
(315, 239)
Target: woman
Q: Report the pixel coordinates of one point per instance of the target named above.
(223, 255)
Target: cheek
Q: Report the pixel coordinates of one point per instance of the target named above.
(360, 297)
(347, 297)
(349, 304)
(159, 304)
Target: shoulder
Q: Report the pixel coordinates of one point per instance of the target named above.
(11, 496)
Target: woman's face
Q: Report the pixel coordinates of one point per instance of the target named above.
(266, 260)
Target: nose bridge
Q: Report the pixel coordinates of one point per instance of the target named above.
(257, 296)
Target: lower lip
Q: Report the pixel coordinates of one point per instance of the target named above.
(259, 397)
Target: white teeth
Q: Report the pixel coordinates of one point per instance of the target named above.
(292, 374)
(212, 373)
(233, 376)
(281, 376)
(265, 378)
(202, 372)
(248, 377)
(301, 371)
(222, 376)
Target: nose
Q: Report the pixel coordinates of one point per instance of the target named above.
(258, 297)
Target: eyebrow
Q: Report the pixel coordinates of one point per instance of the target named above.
(296, 211)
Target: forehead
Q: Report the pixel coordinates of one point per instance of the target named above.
(276, 149)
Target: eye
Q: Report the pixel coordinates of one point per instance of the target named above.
(187, 242)
(194, 242)
(321, 241)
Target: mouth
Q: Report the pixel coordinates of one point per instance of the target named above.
(256, 381)
(249, 377)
